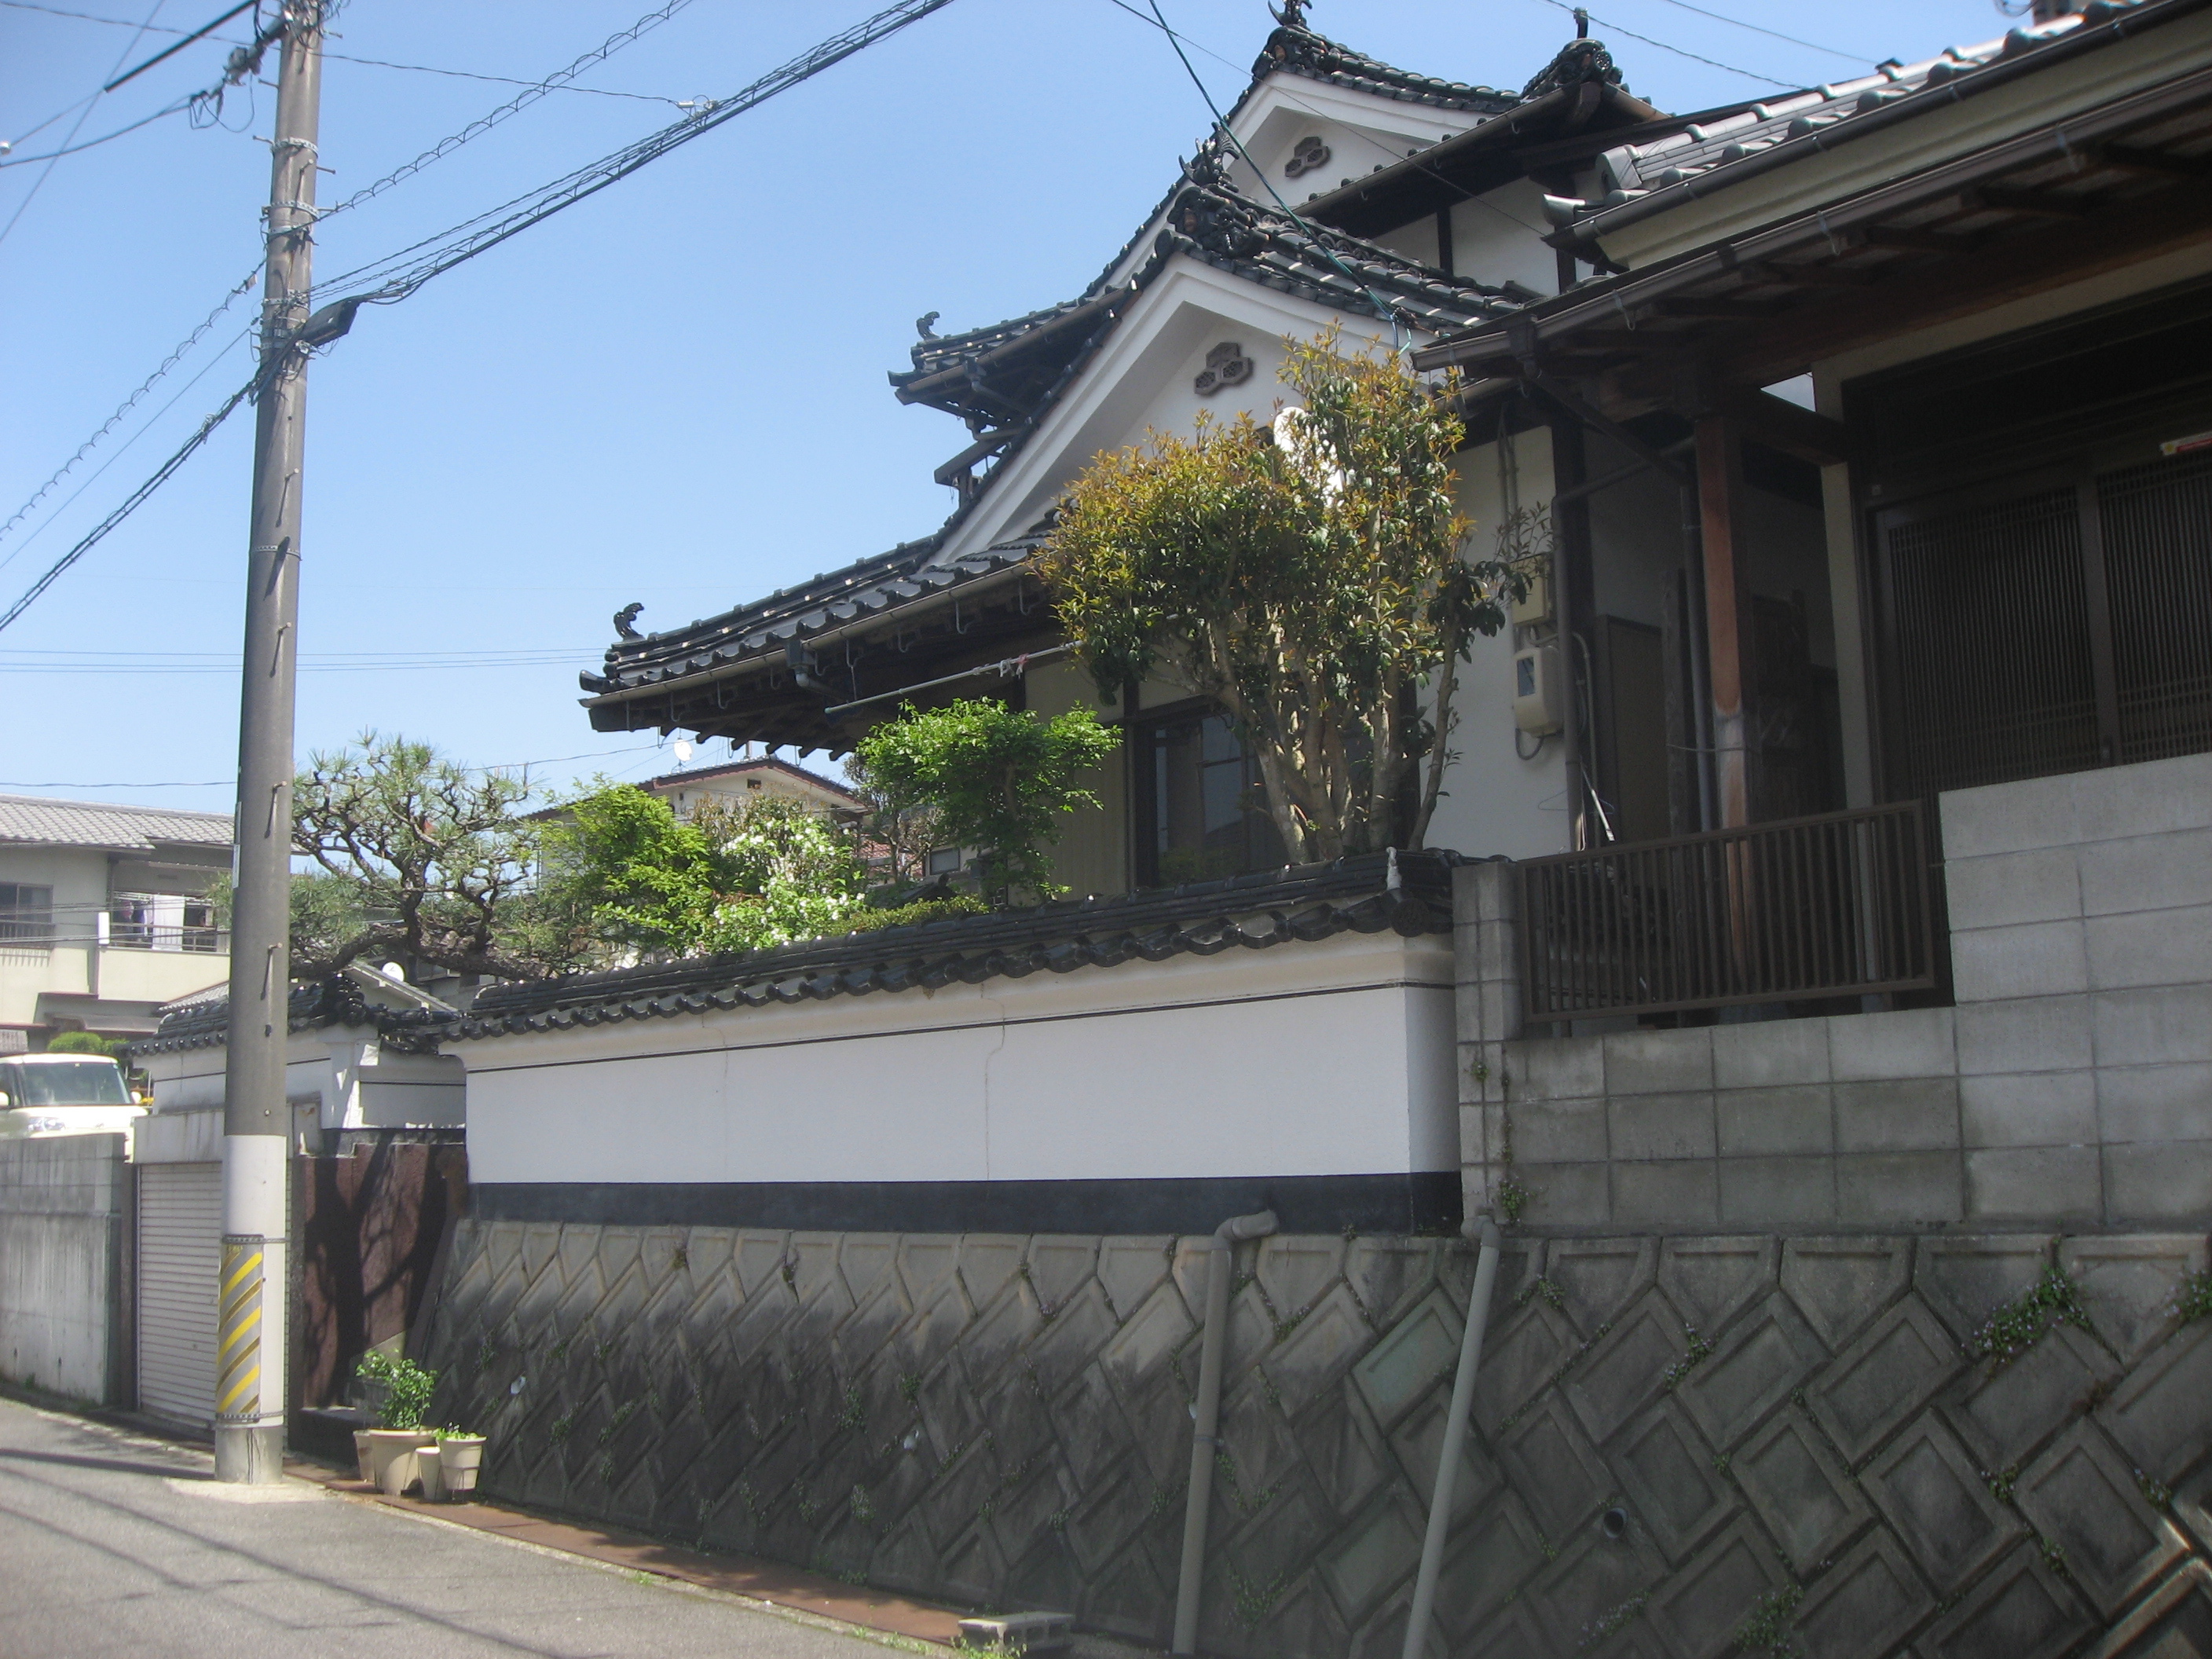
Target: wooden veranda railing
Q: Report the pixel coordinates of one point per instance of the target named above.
(1837, 905)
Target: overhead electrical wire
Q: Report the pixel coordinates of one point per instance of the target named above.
(231, 783)
(124, 448)
(341, 57)
(1710, 63)
(1775, 35)
(401, 276)
(605, 50)
(40, 183)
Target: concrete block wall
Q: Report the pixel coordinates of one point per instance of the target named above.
(2071, 1084)
(66, 1213)
(1672, 1437)
(2081, 949)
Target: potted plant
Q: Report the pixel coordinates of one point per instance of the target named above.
(460, 1459)
(406, 1389)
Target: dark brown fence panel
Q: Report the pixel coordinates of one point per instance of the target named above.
(368, 1227)
(1840, 904)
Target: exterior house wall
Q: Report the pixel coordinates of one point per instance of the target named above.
(324, 1070)
(1321, 1060)
(2072, 1081)
(79, 977)
(1092, 855)
(1495, 801)
(65, 1211)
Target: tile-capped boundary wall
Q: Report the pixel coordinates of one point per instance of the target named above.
(1672, 1437)
(65, 1216)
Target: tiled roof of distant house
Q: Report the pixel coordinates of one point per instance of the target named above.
(35, 819)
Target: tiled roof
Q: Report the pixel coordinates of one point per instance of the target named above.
(1296, 49)
(1746, 135)
(33, 819)
(870, 589)
(1266, 245)
(1409, 892)
(202, 1019)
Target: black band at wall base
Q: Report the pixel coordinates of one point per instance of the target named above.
(1421, 1202)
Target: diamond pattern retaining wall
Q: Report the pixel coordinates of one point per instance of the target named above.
(1792, 1432)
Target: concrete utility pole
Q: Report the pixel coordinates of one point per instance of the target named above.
(250, 1367)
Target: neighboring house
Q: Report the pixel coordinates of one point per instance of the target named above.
(367, 1087)
(104, 915)
(362, 1056)
(760, 778)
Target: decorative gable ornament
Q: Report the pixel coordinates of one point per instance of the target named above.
(1225, 365)
(1310, 156)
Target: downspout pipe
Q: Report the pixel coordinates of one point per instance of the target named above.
(1462, 1402)
(1220, 1267)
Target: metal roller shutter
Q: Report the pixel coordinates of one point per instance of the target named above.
(179, 1253)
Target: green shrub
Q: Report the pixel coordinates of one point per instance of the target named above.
(407, 1389)
(902, 915)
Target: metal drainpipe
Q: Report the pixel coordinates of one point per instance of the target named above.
(1219, 1264)
(1462, 1401)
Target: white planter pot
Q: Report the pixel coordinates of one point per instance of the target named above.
(361, 1456)
(391, 1458)
(459, 1461)
(427, 1464)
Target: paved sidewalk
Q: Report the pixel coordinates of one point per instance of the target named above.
(114, 1543)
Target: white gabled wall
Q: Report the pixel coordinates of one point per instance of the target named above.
(1323, 1058)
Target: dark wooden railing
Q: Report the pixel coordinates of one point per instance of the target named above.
(1843, 904)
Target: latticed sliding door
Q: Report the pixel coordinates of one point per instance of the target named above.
(1989, 641)
(2156, 523)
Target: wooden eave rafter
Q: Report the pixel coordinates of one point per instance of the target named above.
(759, 699)
(2032, 213)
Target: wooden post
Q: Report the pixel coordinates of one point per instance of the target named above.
(1729, 619)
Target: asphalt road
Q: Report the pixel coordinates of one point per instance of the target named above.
(110, 1543)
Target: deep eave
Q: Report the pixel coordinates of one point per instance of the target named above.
(2056, 202)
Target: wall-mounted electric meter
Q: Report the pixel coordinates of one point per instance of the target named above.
(1538, 699)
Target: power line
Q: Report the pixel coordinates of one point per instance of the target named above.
(1810, 45)
(1710, 63)
(72, 148)
(100, 471)
(40, 183)
(402, 273)
(598, 54)
(225, 783)
(522, 100)
(406, 278)
(130, 503)
(340, 56)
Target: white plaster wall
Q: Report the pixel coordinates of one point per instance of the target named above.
(1495, 802)
(1498, 237)
(400, 1091)
(1331, 1058)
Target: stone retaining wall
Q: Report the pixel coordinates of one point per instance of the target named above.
(1679, 1442)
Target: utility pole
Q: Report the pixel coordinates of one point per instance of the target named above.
(250, 1353)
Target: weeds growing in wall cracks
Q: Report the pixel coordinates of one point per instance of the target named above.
(1771, 1628)
(2019, 1324)
(2194, 1300)
(1508, 1193)
(1607, 1624)
(1255, 1599)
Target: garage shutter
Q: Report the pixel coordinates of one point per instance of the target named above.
(180, 1252)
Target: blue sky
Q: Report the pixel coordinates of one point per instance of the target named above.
(673, 393)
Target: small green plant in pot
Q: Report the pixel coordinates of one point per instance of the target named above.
(402, 1390)
(460, 1459)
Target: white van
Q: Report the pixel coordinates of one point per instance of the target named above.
(45, 1094)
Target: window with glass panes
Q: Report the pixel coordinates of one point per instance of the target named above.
(1201, 810)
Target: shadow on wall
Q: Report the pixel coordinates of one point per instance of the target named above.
(1702, 1441)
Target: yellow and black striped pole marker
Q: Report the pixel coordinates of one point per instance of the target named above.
(238, 1359)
